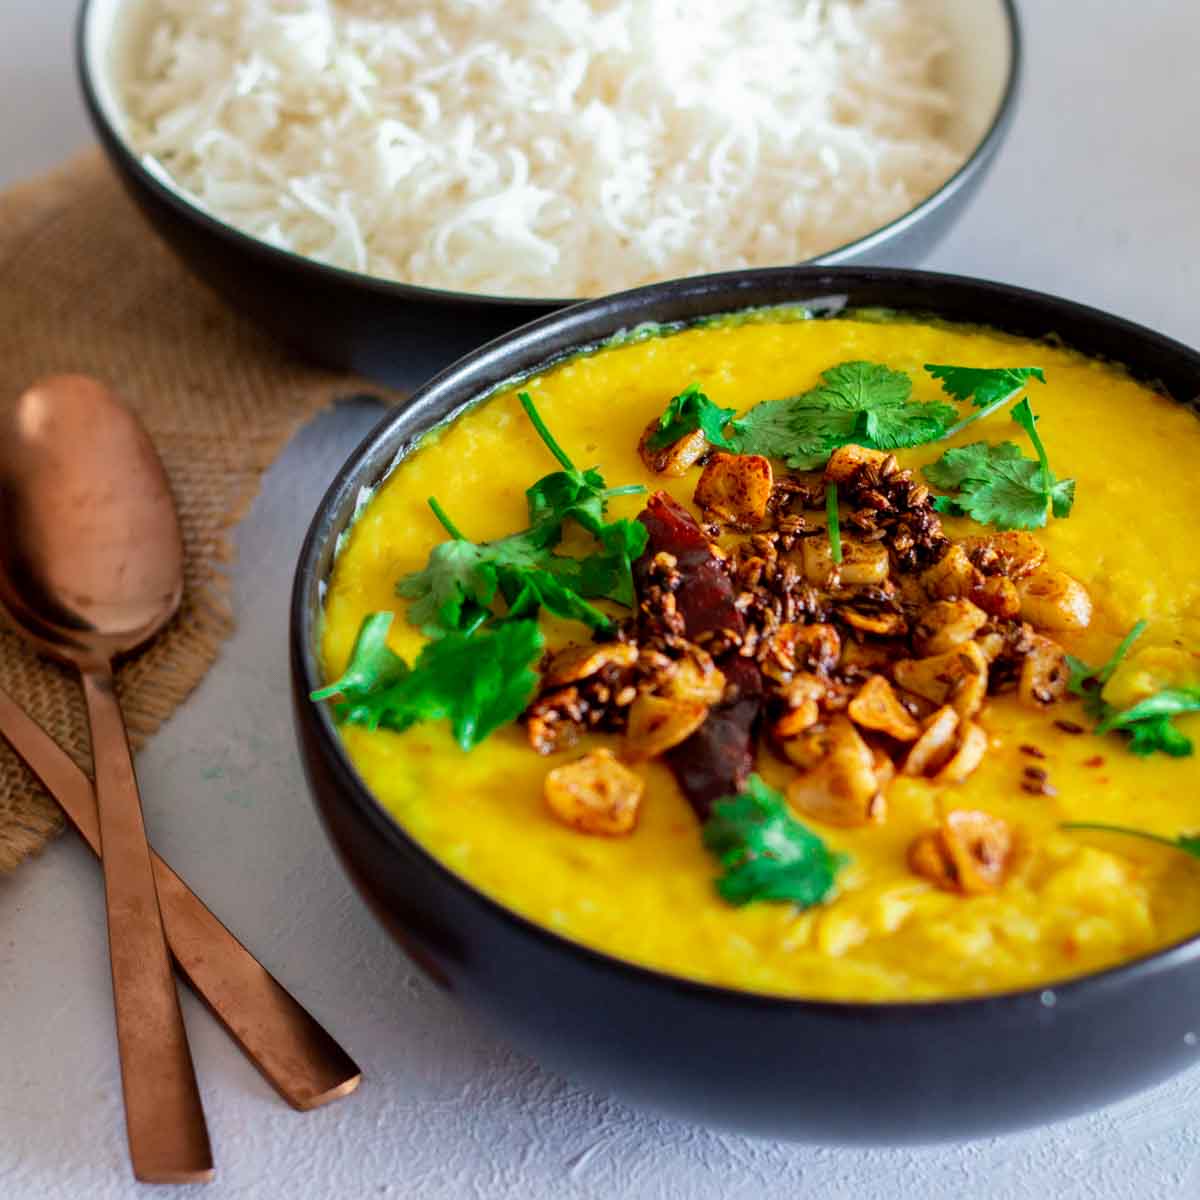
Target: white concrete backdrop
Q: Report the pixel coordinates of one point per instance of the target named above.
(1096, 196)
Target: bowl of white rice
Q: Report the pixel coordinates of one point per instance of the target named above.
(386, 184)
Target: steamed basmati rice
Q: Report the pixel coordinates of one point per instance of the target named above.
(544, 147)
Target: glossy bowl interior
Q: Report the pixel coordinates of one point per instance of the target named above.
(399, 333)
(781, 1067)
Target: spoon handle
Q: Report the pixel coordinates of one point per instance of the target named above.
(164, 1120)
(295, 1054)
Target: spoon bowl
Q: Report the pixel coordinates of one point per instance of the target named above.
(92, 560)
(91, 566)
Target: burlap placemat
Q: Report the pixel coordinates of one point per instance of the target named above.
(85, 286)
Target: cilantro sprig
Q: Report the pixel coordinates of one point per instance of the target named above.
(687, 412)
(456, 590)
(988, 388)
(1060, 492)
(477, 682)
(983, 386)
(1188, 843)
(569, 494)
(866, 403)
(833, 524)
(766, 853)
(1086, 681)
(1147, 724)
(373, 664)
(995, 484)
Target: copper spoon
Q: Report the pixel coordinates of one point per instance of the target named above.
(297, 1057)
(91, 567)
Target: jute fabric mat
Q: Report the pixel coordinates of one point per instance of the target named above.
(85, 286)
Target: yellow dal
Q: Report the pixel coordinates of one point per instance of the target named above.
(1074, 903)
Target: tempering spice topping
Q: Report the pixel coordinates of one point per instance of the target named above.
(862, 646)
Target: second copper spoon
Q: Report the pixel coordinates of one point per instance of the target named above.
(91, 567)
(299, 1058)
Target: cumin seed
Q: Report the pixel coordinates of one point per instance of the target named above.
(1038, 787)
(1069, 727)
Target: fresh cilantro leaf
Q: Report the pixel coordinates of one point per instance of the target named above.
(997, 485)
(983, 386)
(1157, 735)
(976, 461)
(769, 428)
(905, 425)
(457, 583)
(609, 572)
(947, 505)
(687, 412)
(1012, 499)
(1188, 843)
(861, 386)
(862, 402)
(1147, 723)
(1062, 497)
(526, 590)
(461, 580)
(562, 496)
(372, 664)
(477, 682)
(766, 853)
(803, 435)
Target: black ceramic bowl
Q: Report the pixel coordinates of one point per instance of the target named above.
(780, 1067)
(399, 333)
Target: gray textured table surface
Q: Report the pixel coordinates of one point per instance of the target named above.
(1096, 196)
